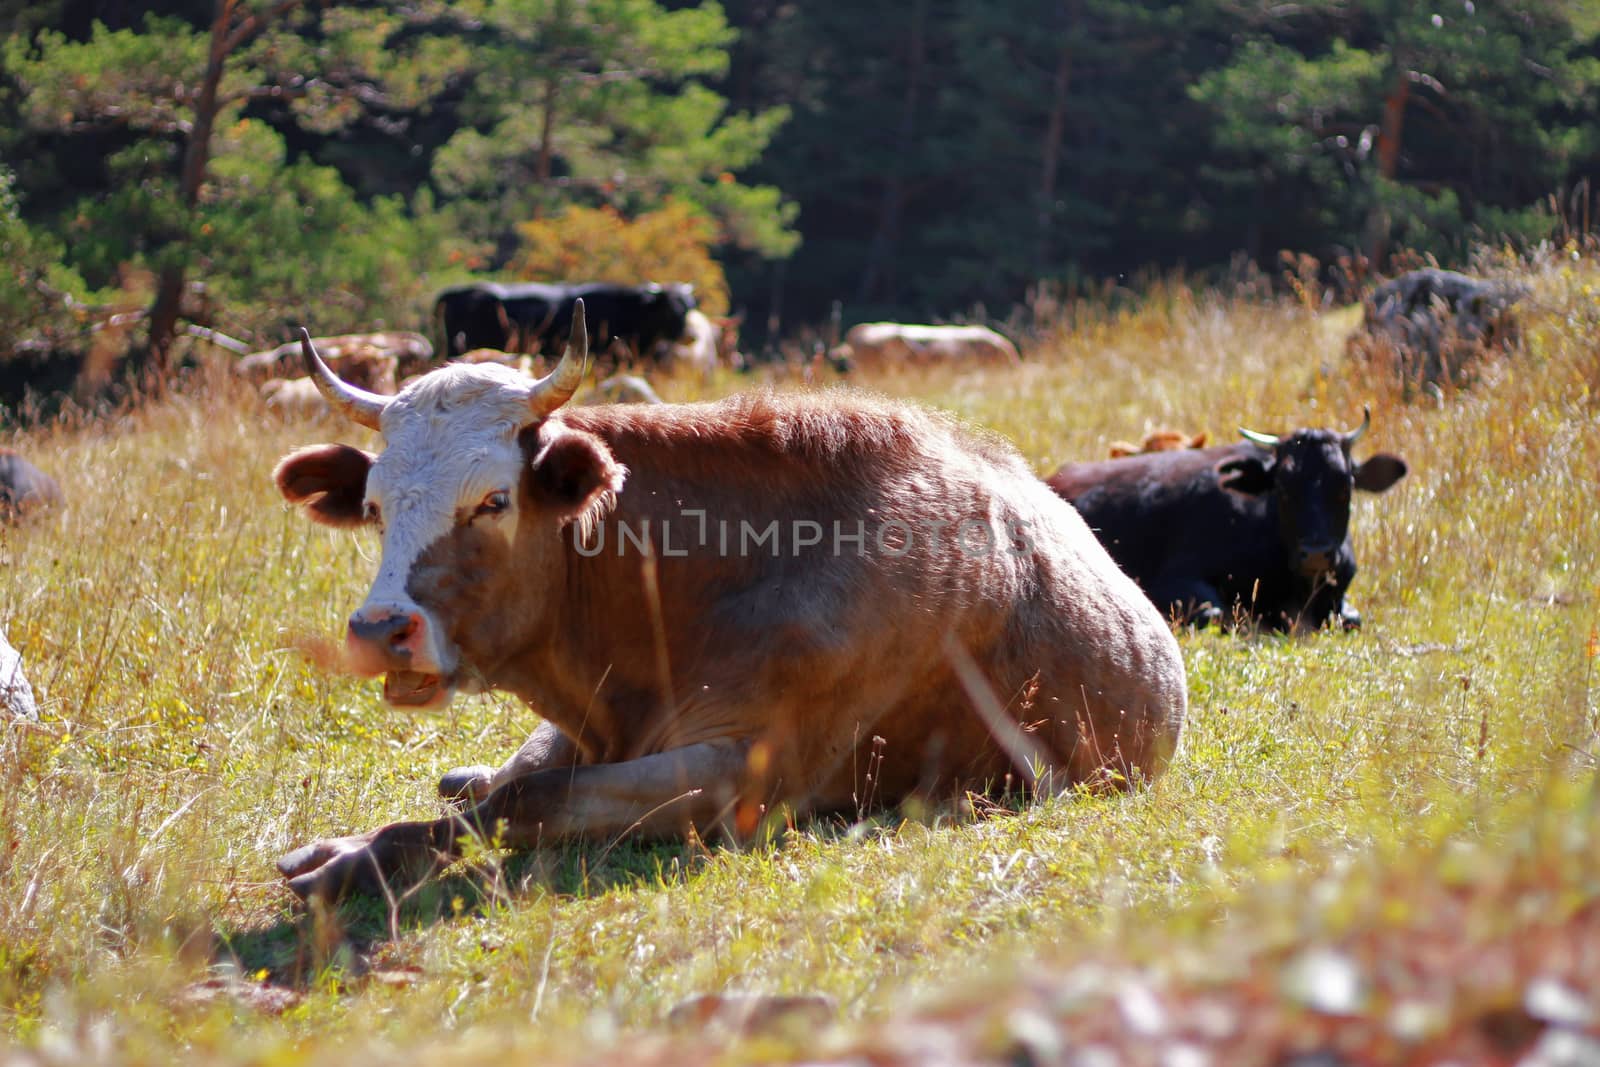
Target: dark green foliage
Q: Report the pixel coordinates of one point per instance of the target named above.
(605, 103)
(37, 292)
(1382, 121)
(930, 159)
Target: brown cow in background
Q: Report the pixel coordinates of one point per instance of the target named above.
(1160, 441)
(374, 361)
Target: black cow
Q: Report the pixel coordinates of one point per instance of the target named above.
(1433, 322)
(478, 314)
(1256, 530)
(24, 488)
(531, 317)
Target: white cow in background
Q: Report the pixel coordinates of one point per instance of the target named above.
(708, 342)
(16, 695)
(879, 345)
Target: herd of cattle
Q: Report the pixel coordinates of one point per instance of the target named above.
(692, 596)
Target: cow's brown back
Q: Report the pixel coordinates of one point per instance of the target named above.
(842, 665)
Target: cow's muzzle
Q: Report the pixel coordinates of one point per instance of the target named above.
(1313, 561)
(396, 642)
(381, 639)
(416, 689)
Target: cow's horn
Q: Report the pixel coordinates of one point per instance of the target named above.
(358, 404)
(557, 387)
(1355, 435)
(1265, 440)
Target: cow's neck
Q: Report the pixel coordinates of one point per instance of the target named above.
(565, 621)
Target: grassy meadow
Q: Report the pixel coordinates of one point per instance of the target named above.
(1378, 847)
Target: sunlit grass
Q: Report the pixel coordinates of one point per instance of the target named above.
(185, 744)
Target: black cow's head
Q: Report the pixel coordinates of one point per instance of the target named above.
(1312, 473)
(678, 297)
(667, 309)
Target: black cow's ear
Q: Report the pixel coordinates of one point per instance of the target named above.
(1377, 473)
(328, 481)
(1246, 474)
(574, 472)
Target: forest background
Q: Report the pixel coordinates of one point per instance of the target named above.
(245, 166)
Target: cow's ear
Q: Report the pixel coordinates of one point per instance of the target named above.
(1379, 472)
(1246, 474)
(576, 475)
(328, 481)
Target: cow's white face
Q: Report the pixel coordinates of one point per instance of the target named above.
(472, 469)
(452, 460)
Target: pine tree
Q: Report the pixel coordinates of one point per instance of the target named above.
(606, 103)
(176, 96)
(1381, 119)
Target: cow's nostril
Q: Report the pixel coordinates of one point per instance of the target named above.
(405, 627)
(391, 630)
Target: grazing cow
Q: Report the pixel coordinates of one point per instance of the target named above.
(24, 488)
(1257, 529)
(622, 389)
(708, 343)
(374, 361)
(698, 348)
(534, 318)
(878, 345)
(653, 581)
(16, 695)
(483, 355)
(1160, 441)
(293, 398)
(479, 315)
(1431, 323)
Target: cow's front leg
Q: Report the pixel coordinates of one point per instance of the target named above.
(662, 795)
(1191, 601)
(395, 857)
(544, 749)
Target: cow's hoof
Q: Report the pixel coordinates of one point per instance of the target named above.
(466, 784)
(329, 868)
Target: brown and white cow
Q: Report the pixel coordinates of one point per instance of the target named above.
(881, 345)
(721, 607)
(373, 361)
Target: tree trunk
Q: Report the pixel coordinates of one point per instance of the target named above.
(196, 154)
(1394, 120)
(877, 276)
(542, 167)
(226, 38)
(1051, 162)
(1389, 134)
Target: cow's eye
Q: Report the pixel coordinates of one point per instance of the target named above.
(495, 503)
(370, 512)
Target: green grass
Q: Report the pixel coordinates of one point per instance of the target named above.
(1427, 780)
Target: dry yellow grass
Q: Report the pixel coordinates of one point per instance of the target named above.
(186, 742)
